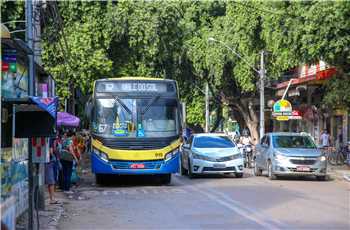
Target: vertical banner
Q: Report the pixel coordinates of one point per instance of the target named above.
(40, 147)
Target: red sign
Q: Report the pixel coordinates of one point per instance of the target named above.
(4, 66)
(320, 75)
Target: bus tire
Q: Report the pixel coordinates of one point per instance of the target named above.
(165, 179)
(99, 179)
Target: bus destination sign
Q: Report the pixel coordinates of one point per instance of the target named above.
(146, 87)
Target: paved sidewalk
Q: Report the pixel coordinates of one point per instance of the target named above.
(49, 218)
(339, 172)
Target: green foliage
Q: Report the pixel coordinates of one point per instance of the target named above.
(170, 39)
(79, 55)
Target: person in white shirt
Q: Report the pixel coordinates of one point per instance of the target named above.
(245, 138)
(325, 139)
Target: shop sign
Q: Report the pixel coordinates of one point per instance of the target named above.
(282, 108)
(282, 118)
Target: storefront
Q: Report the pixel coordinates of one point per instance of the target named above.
(305, 94)
(14, 151)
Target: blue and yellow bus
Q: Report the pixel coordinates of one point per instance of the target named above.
(135, 127)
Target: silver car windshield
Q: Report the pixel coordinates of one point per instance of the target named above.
(293, 142)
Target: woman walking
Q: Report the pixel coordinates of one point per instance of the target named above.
(67, 158)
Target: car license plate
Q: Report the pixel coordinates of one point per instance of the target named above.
(137, 166)
(303, 169)
(220, 166)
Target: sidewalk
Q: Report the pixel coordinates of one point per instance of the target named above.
(49, 218)
(339, 172)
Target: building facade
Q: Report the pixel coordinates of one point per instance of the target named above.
(306, 91)
(14, 151)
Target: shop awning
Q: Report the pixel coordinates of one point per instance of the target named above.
(318, 76)
(33, 116)
(67, 119)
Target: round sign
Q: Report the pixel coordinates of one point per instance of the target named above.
(282, 106)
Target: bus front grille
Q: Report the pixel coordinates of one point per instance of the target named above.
(136, 145)
(128, 165)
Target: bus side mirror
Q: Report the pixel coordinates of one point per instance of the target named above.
(88, 108)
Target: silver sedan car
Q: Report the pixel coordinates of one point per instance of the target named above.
(289, 154)
(209, 153)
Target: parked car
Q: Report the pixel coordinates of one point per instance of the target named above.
(289, 154)
(209, 153)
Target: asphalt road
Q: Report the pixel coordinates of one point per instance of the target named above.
(214, 202)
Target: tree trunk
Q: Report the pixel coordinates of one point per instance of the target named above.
(245, 114)
(246, 111)
(218, 118)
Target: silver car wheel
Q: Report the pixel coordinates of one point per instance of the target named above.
(270, 173)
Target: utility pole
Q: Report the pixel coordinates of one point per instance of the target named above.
(262, 95)
(207, 107)
(29, 40)
(40, 168)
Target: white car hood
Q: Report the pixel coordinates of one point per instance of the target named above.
(217, 152)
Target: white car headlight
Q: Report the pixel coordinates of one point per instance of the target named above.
(236, 156)
(171, 154)
(201, 157)
(322, 158)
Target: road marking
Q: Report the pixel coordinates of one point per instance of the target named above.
(133, 191)
(232, 205)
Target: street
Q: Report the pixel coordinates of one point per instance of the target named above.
(210, 202)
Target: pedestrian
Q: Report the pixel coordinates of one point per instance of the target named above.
(325, 139)
(339, 143)
(67, 158)
(57, 146)
(50, 180)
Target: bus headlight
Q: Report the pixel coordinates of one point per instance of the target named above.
(171, 154)
(102, 155)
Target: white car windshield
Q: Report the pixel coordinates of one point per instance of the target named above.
(213, 142)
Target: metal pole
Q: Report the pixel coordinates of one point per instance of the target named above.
(29, 38)
(262, 95)
(285, 92)
(207, 107)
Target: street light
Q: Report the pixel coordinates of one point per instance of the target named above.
(261, 73)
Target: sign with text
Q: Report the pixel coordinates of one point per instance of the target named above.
(141, 87)
(282, 108)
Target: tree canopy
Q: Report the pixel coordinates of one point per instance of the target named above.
(85, 41)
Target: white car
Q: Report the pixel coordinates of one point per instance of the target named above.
(209, 153)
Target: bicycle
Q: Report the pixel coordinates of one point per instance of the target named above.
(334, 156)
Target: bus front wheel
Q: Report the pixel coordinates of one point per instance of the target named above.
(165, 179)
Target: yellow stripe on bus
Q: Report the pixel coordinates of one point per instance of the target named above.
(135, 155)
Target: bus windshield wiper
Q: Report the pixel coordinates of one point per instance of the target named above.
(120, 102)
(149, 104)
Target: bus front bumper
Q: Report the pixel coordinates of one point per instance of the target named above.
(100, 166)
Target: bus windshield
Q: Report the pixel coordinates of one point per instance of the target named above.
(133, 118)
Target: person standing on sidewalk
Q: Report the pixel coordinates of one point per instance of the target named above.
(67, 158)
(325, 139)
(50, 179)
